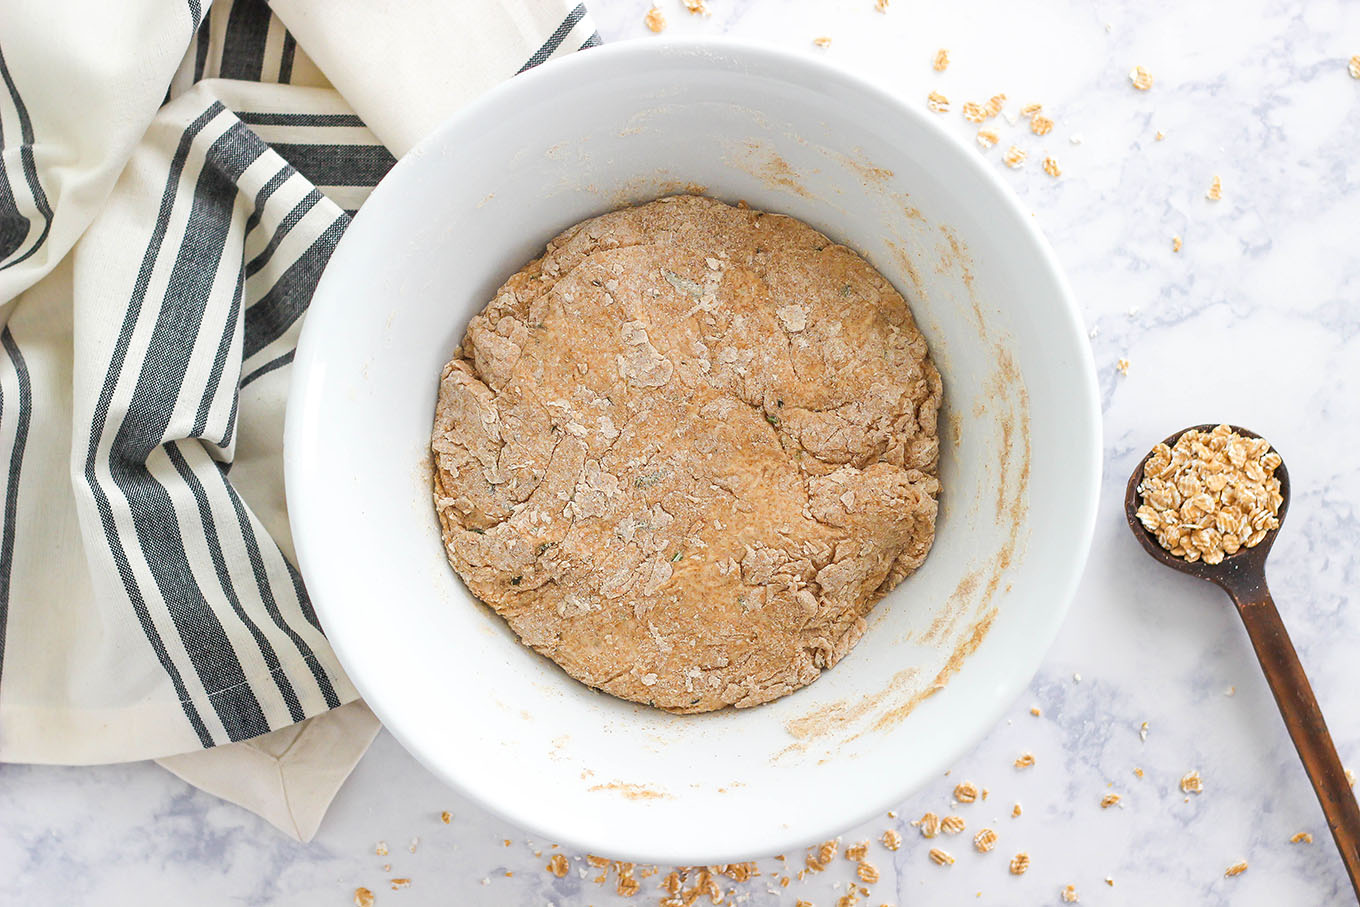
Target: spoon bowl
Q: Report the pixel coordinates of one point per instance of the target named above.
(1235, 569)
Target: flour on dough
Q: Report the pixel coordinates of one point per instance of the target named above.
(684, 452)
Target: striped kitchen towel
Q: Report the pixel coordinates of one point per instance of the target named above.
(173, 179)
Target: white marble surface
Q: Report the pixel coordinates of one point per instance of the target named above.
(1256, 321)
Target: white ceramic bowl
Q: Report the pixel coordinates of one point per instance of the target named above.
(1020, 452)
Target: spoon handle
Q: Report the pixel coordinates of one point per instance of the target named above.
(1303, 718)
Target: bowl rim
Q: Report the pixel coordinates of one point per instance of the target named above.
(308, 372)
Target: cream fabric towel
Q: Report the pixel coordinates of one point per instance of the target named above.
(173, 178)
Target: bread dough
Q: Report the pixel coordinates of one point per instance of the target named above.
(684, 452)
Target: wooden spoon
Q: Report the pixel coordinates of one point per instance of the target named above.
(1242, 575)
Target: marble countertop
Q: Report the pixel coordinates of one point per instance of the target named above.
(1256, 320)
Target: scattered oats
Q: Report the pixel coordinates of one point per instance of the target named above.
(827, 852)
(1215, 189)
(857, 852)
(654, 20)
(1015, 811)
(1143, 732)
(1141, 78)
(984, 840)
(802, 903)
(1051, 168)
(415, 842)
(1025, 760)
(987, 139)
(951, 825)
(1211, 494)
(387, 867)
(966, 792)
(940, 857)
(1354, 67)
(1138, 772)
(1034, 710)
(867, 872)
(823, 41)
(1235, 869)
(1030, 110)
(985, 792)
(929, 825)
(1019, 863)
(881, 6)
(626, 885)
(1123, 366)
(1040, 125)
(937, 102)
(891, 839)
(446, 817)
(1109, 880)
(973, 112)
(995, 103)
(399, 884)
(1175, 244)
(1069, 894)
(696, 7)
(1108, 800)
(1014, 157)
(1076, 139)
(1191, 783)
(381, 849)
(941, 60)
(557, 865)
(597, 862)
(1302, 837)
(363, 897)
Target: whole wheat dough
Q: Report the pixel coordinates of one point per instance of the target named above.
(686, 450)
